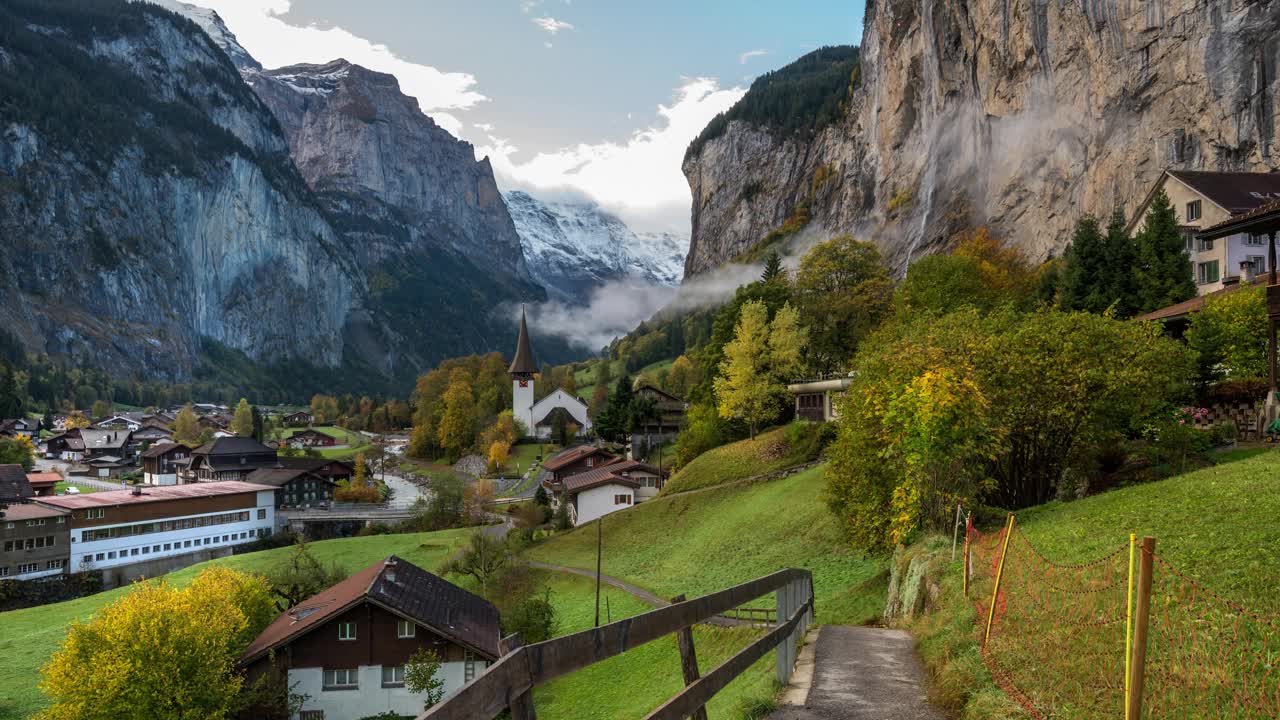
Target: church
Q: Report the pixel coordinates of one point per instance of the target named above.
(537, 416)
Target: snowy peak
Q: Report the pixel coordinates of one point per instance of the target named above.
(573, 248)
(216, 29)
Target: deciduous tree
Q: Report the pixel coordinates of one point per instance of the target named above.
(242, 422)
(422, 676)
(483, 557)
(458, 423)
(186, 426)
(843, 290)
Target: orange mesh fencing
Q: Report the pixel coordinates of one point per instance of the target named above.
(1058, 637)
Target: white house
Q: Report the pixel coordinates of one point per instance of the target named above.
(536, 416)
(610, 488)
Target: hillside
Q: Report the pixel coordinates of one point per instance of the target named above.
(769, 452)
(997, 113)
(29, 637)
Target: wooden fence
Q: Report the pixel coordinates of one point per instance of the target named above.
(509, 682)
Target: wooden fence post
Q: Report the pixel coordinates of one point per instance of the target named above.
(783, 603)
(522, 704)
(1141, 623)
(995, 591)
(688, 660)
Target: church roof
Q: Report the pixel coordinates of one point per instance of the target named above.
(523, 363)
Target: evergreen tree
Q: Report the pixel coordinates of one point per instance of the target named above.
(10, 402)
(1084, 284)
(259, 425)
(242, 423)
(772, 267)
(1121, 259)
(1162, 274)
(615, 421)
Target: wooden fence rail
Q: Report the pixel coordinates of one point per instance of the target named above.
(510, 681)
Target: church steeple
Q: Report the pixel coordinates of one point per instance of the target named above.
(523, 364)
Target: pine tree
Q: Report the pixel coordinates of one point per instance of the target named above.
(1084, 281)
(772, 267)
(10, 403)
(786, 344)
(1121, 258)
(242, 423)
(259, 425)
(1163, 273)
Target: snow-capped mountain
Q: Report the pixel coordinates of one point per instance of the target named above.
(572, 248)
(212, 24)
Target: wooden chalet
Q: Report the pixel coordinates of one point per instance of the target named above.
(228, 458)
(311, 438)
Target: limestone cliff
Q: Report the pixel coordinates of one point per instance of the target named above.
(1016, 113)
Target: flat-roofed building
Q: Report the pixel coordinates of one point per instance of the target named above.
(34, 542)
(123, 527)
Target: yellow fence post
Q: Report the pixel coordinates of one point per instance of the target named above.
(1141, 622)
(995, 592)
(1128, 630)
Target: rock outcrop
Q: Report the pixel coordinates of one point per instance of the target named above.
(1020, 114)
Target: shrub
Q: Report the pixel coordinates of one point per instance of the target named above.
(1241, 391)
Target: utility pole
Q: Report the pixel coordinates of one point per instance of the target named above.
(599, 546)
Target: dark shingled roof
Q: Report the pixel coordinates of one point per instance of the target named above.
(1235, 192)
(164, 448)
(595, 478)
(279, 476)
(415, 594)
(572, 455)
(233, 446)
(13, 484)
(524, 362)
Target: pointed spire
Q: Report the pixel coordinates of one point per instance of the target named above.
(523, 363)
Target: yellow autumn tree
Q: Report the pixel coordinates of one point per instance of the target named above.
(499, 451)
(242, 423)
(77, 420)
(186, 427)
(159, 652)
(458, 424)
(756, 362)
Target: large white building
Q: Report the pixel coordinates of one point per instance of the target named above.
(124, 527)
(536, 416)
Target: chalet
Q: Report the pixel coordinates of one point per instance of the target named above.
(295, 487)
(229, 458)
(332, 470)
(44, 483)
(1204, 199)
(65, 446)
(125, 421)
(669, 411)
(310, 438)
(573, 461)
(610, 488)
(118, 528)
(97, 443)
(20, 427)
(344, 650)
(150, 434)
(302, 418)
(34, 542)
(14, 486)
(816, 397)
(161, 462)
(213, 423)
(108, 466)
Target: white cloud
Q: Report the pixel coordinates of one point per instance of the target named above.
(744, 57)
(275, 43)
(639, 179)
(551, 24)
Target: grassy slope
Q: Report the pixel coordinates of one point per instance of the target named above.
(696, 543)
(28, 637)
(766, 453)
(641, 679)
(1217, 525)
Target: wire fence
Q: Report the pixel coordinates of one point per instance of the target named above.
(1125, 635)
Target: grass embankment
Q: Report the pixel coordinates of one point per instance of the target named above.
(524, 455)
(354, 441)
(768, 452)
(29, 636)
(1215, 525)
(643, 678)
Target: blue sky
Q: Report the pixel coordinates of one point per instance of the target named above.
(574, 96)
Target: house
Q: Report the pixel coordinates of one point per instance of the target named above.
(108, 466)
(228, 458)
(212, 423)
(149, 434)
(127, 421)
(65, 446)
(345, 648)
(332, 470)
(20, 427)
(310, 438)
(1204, 199)
(573, 461)
(14, 486)
(609, 488)
(301, 418)
(295, 487)
(44, 483)
(815, 398)
(34, 542)
(120, 528)
(669, 411)
(160, 463)
(97, 443)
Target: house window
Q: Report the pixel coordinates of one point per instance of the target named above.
(1193, 210)
(87, 559)
(1204, 245)
(392, 676)
(347, 631)
(1255, 240)
(28, 568)
(347, 679)
(621, 499)
(1207, 272)
(405, 629)
(94, 513)
(311, 715)
(111, 555)
(56, 564)
(262, 514)
(1259, 263)
(4, 572)
(100, 557)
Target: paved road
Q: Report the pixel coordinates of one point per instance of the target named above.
(864, 673)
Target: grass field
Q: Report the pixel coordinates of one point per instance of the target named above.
(28, 637)
(768, 452)
(643, 678)
(522, 456)
(1216, 525)
(61, 487)
(696, 543)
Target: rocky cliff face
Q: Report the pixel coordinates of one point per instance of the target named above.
(1020, 114)
(166, 213)
(574, 248)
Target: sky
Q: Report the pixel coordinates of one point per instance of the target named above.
(566, 97)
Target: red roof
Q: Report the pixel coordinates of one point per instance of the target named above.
(572, 455)
(29, 511)
(42, 479)
(595, 478)
(153, 494)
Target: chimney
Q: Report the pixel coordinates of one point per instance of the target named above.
(137, 489)
(1248, 273)
(389, 570)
